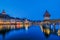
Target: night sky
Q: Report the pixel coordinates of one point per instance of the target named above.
(31, 9)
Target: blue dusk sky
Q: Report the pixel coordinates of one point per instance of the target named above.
(31, 9)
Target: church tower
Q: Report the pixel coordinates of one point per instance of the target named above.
(46, 15)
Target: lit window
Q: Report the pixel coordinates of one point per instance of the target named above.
(12, 26)
(1, 27)
(12, 21)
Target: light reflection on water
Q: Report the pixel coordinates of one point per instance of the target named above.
(33, 33)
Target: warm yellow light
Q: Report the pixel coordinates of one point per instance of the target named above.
(6, 22)
(8, 26)
(1, 27)
(1, 22)
(47, 31)
(26, 24)
(19, 24)
(58, 32)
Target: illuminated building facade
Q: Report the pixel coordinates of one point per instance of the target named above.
(8, 22)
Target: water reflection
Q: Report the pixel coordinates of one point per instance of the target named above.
(33, 33)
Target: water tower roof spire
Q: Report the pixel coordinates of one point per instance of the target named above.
(46, 14)
(3, 12)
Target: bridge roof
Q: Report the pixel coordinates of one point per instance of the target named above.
(52, 20)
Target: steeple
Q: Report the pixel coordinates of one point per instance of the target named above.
(46, 15)
(3, 12)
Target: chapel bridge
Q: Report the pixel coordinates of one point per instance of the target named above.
(47, 26)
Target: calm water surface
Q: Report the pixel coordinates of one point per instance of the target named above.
(33, 33)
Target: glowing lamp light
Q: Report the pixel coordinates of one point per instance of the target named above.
(58, 32)
(19, 24)
(47, 31)
(26, 24)
(1, 27)
(8, 26)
